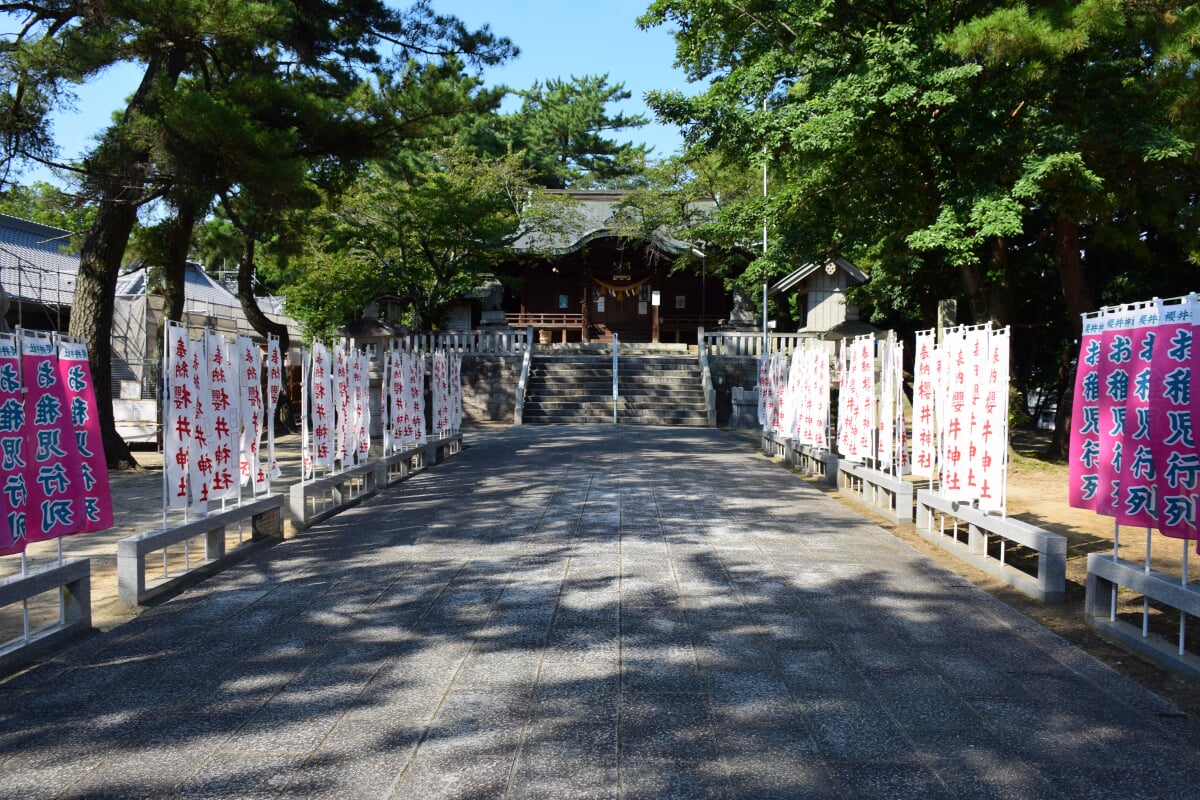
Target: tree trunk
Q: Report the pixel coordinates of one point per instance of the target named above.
(975, 292)
(254, 315)
(102, 251)
(179, 243)
(92, 314)
(1079, 301)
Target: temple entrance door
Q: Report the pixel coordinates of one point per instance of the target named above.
(628, 316)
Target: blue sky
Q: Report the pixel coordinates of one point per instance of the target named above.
(557, 39)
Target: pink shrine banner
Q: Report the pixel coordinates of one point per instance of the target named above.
(322, 408)
(224, 409)
(76, 375)
(1175, 374)
(14, 495)
(54, 477)
(1133, 452)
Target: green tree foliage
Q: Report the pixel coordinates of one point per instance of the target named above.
(47, 204)
(1017, 151)
(427, 237)
(564, 128)
(248, 95)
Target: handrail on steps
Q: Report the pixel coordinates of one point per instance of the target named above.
(523, 381)
(710, 394)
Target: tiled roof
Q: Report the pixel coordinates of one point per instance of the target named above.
(595, 210)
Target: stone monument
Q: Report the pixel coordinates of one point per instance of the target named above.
(742, 315)
(491, 296)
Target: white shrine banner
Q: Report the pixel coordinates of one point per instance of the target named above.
(817, 398)
(902, 462)
(764, 391)
(793, 396)
(178, 407)
(860, 406)
(976, 354)
(955, 421)
(341, 388)
(249, 367)
(439, 385)
(399, 402)
(886, 445)
(224, 404)
(274, 390)
(322, 408)
(844, 425)
(361, 405)
(992, 434)
(971, 408)
(456, 394)
(923, 417)
(779, 374)
(415, 386)
(201, 456)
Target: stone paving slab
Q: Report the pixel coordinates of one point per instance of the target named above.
(589, 612)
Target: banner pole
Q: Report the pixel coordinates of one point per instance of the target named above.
(1112, 606)
(1146, 598)
(1184, 582)
(307, 467)
(164, 401)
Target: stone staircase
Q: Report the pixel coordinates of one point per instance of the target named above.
(654, 387)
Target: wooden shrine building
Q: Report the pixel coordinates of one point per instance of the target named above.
(599, 283)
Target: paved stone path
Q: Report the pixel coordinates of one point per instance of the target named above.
(577, 612)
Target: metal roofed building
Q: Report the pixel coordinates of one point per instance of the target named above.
(37, 279)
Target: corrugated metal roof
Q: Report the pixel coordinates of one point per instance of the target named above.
(31, 266)
(32, 269)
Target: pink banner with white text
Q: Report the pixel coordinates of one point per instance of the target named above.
(1133, 450)
(76, 375)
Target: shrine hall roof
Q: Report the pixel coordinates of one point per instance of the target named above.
(596, 220)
